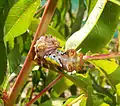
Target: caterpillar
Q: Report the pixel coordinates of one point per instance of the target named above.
(47, 49)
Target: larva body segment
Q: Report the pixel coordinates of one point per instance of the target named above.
(46, 49)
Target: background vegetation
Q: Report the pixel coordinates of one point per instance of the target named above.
(91, 27)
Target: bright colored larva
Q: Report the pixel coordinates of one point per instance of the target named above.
(46, 48)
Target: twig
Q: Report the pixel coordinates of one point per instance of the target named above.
(44, 90)
(40, 9)
(102, 56)
(27, 67)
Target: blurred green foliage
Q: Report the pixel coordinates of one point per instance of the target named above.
(99, 80)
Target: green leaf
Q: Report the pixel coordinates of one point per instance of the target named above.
(47, 103)
(36, 77)
(14, 58)
(69, 100)
(116, 2)
(118, 92)
(78, 20)
(104, 104)
(99, 32)
(50, 30)
(75, 100)
(115, 76)
(76, 38)
(83, 102)
(64, 83)
(3, 57)
(109, 68)
(82, 81)
(1, 102)
(2, 2)
(106, 65)
(94, 100)
(19, 19)
(91, 4)
(53, 102)
(103, 31)
(55, 33)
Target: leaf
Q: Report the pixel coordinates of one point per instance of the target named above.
(64, 83)
(3, 57)
(36, 77)
(14, 58)
(53, 102)
(1, 102)
(69, 100)
(106, 65)
(3, 60)
(19, 19)
(78, 20)
(99, 32)
(47, 103)
(91, 4)
(50, 30)
(109, 68)
(82, 81)
(74, 100)
(95, 100)
(57, 102)
(115, 76)
(55, 33)
(2, 2)
(76, 38)
(118, 92)
(83, 102)
(116, 2)
(104, 104)
(103, 31)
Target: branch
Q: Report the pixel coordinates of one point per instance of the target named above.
(27, 67)
(44, 90)
(102, 56)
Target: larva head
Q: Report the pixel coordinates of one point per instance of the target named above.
(71, 53)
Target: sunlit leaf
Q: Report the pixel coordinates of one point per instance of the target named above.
(96, 34)
(109, 68)
(69, 100)
(104, 29)
(19, 19)
(106, 65)
(76, 38)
